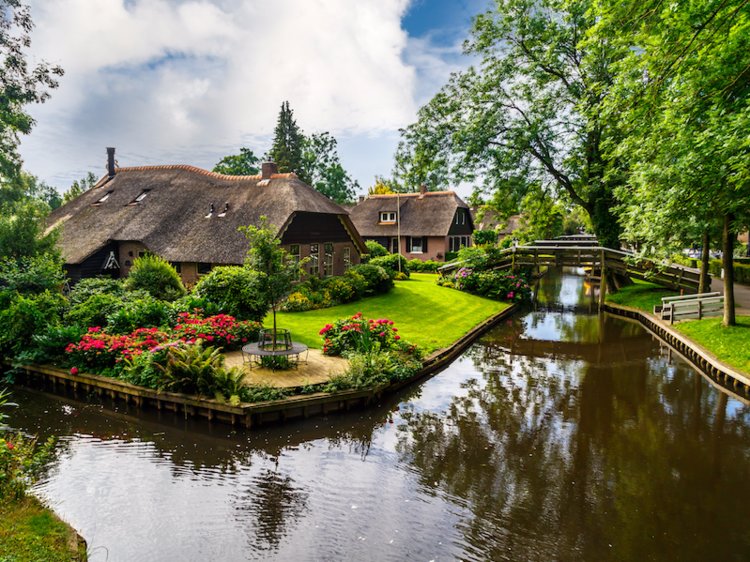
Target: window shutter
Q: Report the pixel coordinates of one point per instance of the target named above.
(408, 244)
(424, 244)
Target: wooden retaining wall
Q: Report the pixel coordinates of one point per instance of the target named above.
(60, 381)
(723, 374)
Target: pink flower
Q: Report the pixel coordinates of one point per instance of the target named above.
(10, 445)
(381, 334)
(397, 337)
(510, 295)
(74, 370)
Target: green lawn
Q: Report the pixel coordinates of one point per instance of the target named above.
(641, 294)
(730, 344)
(425, 314)
(31, 533)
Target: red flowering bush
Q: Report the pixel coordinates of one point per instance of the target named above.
(99, 351)
(360, 334)
(220, 330)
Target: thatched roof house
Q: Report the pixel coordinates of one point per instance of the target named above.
(489, 219)
(429, 223)
(190, 217)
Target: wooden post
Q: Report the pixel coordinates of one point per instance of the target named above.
(700, 309)
(602, 281)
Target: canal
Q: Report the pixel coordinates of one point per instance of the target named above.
(559, 435)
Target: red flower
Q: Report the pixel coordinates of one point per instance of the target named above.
(74, 370)
(9, 445)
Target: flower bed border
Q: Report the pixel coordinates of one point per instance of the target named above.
(700, 358)
(60, 381)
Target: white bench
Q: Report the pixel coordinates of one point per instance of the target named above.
(691, 306)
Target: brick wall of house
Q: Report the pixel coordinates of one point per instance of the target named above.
(127, 252)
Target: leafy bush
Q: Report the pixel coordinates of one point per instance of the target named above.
(375, 249)
(234, 290)
(49, 346)
(341, 289)
(391, 264)
(94, 310)
(498, 285)
(29, 275)
(427, 266)
(157, 276)
(88, 287)
(362, 335)
(25, 316)
(373, 369)
(142, 369)
(297, 302)
(103, 353)
(192, 303)
(221, 329)
(377, 280)
(262, 393)
(146, 312)
(482, 237)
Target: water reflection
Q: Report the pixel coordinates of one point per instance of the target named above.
(559, 435)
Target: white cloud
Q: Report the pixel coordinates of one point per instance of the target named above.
(189, 81)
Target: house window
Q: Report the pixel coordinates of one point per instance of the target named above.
(416, 245)
(328, 259)
(314, 255)
(294, 253)
(394, 246)
(455, 243)
(388, 216)
(177, 267)
(347, 258)
(203, 268)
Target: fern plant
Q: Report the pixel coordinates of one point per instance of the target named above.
(191, 369)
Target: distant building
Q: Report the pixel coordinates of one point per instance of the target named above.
(488, 219)
(190, 217)
(429, 223)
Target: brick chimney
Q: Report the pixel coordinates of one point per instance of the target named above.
(267, 169)
(110, 162)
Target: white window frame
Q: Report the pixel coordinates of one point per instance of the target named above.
(412, 246)
(388, 216)
(347, 257)
(328, 259)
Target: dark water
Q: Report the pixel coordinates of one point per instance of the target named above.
(560, 435)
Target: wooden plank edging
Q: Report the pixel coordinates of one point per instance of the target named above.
(700, 357)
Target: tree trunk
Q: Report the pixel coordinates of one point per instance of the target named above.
(704, 284)
(607, 231)
(727, 262)
(273, 336)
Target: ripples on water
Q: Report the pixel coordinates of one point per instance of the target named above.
(560, 435)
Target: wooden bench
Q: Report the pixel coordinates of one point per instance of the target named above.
(690, 306)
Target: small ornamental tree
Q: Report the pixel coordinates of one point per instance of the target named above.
(156, 276)
(277, 270)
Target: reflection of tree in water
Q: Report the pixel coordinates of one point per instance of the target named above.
(562, 460)
(268, 508)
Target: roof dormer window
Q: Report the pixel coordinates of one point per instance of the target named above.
(141, 196)
(388, 216)
(104, 197)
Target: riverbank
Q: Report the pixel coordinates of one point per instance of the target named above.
(31, 532)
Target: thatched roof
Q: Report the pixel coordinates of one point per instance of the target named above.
(489, 219)
(171, 221)
(422, 214)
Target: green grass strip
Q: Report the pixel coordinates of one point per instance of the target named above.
(425, 314)
(731, 344)
(641, 295)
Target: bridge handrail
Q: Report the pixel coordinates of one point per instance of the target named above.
(667, 300)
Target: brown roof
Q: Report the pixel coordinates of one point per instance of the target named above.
(422, 214)
(489, 219)
(171, 220)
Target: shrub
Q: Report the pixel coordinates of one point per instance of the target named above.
(376, 278)
(142, 369)
(21, 461)
(192, 303)
(157, 276)
(360, 334)
(297, 302)
(482, 237)
(357, 281)
(341, 289)
(86, 288)
(30, 275)
(498, 285)
(94, 310)
(262, 393)
(375, 249)
(26, 316)
(234, 290)
(106, 354)
(221, 329)
(427, 266)
(146, 312)
(49, 346)
(391, 264)
(368, 370)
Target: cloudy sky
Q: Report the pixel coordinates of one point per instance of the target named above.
(189, 81)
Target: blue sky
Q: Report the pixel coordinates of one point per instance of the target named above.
(189, 81)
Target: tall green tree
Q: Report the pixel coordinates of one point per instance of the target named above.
(683, 98)
(323, 168)
(20, 84)
(530, 108)
(243, 164)
(79, 187)
(288, 144)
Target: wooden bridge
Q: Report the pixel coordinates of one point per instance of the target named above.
(585, 251)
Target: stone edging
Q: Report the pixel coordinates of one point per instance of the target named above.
(699, 357)
(249, 415)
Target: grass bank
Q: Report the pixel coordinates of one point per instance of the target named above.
(430, 316)
(31, 533)
(731, 344)
(641, 295)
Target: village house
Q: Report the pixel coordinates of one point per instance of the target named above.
(190, 217)
(428, 224)
(489, 219)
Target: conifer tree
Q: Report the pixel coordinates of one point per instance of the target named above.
(288, 142)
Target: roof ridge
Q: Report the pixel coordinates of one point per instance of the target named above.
(197, 170)
(410, 194)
